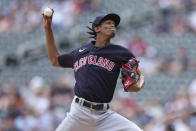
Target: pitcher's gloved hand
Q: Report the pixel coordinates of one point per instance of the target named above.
(130, 74)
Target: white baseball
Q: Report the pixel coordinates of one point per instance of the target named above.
(48, 12)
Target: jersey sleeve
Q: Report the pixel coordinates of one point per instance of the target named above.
(66, 60)
(126, 55)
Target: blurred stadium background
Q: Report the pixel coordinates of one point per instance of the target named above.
(34, 96)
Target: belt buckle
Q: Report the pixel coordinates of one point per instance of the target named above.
(91, 107)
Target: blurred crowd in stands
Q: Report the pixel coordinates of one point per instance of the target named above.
(34, 106)
(17, 15)
(151, 62)
(37, 106)
(177, 16)
(178, 114)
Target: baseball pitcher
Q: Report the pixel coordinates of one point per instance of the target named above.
(96, 67)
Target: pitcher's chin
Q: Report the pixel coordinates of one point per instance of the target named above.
(112, 35)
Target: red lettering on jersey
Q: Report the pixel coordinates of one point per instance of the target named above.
(95, 58)
(76, 66)
(105, 63)
(80, 62)
(111, 66)
(100, 61)
(90, 57)
(84, 60)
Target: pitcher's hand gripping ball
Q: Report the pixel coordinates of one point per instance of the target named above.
(129, 73)
(48, 12)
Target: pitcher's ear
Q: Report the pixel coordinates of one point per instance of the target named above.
(97, 29)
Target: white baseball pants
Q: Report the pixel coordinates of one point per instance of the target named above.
(82, 118)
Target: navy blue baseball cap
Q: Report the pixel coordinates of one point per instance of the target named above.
(99, 19)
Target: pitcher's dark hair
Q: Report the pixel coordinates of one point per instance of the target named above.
(91, 32)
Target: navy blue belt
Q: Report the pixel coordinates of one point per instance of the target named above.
(97, 107)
